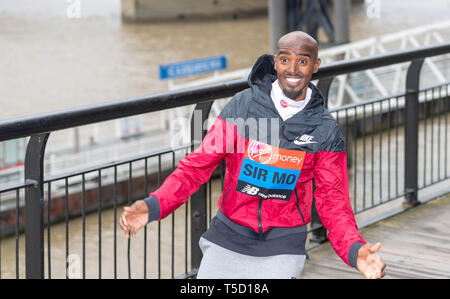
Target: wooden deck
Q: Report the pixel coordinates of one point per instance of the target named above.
(415, 244)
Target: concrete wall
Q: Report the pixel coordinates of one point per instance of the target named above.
(170, 10)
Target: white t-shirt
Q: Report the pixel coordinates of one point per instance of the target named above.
(285, 106)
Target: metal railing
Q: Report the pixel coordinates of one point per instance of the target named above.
(396, 146)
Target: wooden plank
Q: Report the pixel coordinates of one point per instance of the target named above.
(415, 244)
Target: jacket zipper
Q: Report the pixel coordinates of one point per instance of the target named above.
(259, 220)
(298, 207)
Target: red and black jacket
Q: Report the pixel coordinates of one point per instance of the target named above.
(270, 165)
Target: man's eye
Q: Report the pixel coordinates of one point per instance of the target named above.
(284, 59)
(303, 61)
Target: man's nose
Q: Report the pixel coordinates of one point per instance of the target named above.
(293, 68)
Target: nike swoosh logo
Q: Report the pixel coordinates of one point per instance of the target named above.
(303, 142)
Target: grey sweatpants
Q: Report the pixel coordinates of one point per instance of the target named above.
(221, 263)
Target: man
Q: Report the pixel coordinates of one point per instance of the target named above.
(260, 228)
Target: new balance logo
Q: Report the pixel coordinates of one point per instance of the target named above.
(250, 190)
(304, 139)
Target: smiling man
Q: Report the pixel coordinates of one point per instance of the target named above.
(260, 228)
(295, 62)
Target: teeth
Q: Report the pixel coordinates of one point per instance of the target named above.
(292, 80)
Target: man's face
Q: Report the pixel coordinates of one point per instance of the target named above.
(295, 63)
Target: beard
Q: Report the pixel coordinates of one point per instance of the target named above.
(292, 94)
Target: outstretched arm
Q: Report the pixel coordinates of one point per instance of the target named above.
(335, 210)
(193, 171)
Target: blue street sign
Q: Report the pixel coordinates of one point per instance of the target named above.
(192, 67)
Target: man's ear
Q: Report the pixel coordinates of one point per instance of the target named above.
(317, 64)
(274, 62)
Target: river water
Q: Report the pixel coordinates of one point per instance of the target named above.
(51, 61)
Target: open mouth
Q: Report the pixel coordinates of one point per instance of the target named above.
(292, 81)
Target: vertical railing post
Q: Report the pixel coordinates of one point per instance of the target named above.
(198, 199)
(412, 133)
(277, 22)
(34, 206)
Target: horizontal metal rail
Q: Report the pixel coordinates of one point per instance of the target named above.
(116, 163)
(26, 126)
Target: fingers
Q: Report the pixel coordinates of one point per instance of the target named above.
(124, 225)
(123, 222)
(382, 266)
(375, 248)
(124, 219)
(371, 272)
(376, 266)
(131, 219)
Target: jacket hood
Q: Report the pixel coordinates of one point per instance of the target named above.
(263, 74)
(260, 80)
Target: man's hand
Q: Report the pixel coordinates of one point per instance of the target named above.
(134, 218)
(370, 264)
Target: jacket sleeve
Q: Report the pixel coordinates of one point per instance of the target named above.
(192, 171)
(333, 202)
